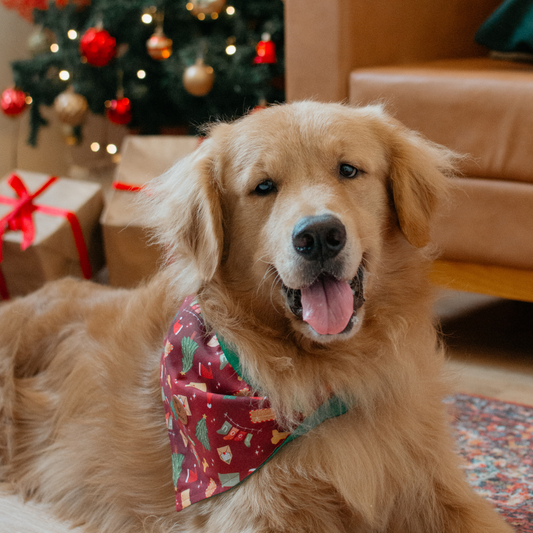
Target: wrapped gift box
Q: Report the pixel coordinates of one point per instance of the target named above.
(53, 252)
(129, 255)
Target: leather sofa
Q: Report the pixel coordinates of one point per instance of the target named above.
(419, 58)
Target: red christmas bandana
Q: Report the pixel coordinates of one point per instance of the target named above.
(219, 432)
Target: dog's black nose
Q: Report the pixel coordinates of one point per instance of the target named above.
(319, 238)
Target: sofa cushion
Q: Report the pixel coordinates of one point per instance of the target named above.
(481, 107)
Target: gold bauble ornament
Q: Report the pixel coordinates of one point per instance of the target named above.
(206, 7)
(70, 107)
(198, 79)
(39, 42)
(159, 46)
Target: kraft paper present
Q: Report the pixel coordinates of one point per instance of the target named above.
(130, 256)
(53, 253)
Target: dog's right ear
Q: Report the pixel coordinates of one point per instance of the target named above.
(185, 216)
(419, 171)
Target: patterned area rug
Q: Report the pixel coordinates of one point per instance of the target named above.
(496, 439)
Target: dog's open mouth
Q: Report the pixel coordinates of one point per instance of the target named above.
(328, 305)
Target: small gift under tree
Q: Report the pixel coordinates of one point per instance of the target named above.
(130, 257)
(48, 230)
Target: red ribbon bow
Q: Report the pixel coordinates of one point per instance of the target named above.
(20, 218)
(120, 186)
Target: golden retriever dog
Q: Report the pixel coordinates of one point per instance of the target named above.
(302, 231)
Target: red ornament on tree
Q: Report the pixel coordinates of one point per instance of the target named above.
(119, 111)
(266, 50)
(13, 101)
(25, 9)
(98, 47)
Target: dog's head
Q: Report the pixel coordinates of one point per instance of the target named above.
(291, 207)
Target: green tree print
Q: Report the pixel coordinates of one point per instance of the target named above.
(201, 433)
(188, 347)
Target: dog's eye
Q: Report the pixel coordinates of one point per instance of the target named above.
(265, 187)
(347, 171)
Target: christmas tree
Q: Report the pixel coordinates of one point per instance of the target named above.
(152, 64)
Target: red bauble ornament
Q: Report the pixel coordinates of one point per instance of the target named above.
(98, 47)
(13, 101)
(119, 111)
(266, 51)
(25, 9)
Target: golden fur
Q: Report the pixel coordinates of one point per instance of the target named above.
(82, 423)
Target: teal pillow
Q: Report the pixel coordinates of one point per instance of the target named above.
(509, 28)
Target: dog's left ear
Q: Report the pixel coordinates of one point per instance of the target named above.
(418, 180)
(183, 211)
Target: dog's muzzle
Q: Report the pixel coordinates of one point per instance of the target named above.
(326, 301)
(356, 286)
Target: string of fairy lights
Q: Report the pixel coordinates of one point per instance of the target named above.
(148, 17)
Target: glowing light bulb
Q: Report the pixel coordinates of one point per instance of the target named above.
(141, 74)
(201, 16)
(189, 6)
(28, 100)
(111, 149)
(214, 16)
(95, 147)
(54, 48)
(230, 10)
(72, 34)
(147, 18)
(231, 49)
(64, 75)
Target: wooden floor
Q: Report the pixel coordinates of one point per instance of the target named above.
(490, 350)
(489, 345)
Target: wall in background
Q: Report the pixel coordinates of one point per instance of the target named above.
(49, 156)
(326, 39)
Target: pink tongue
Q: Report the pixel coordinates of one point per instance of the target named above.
(327, 305)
